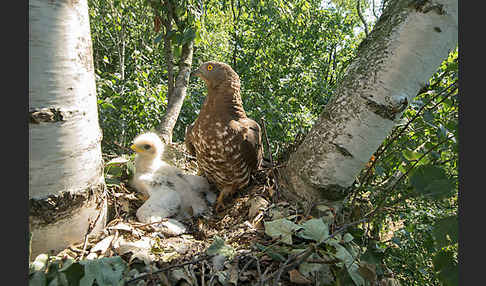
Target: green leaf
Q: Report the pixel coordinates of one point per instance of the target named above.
(114, 170)
(38, 278)
(429, 180)
(270, 251)
(219, 247)
(282, 228)
(158, 38)
(446, 267)
(347, 237)
(428, 116)
(107, 271)
(411, 155)
(314, 229)
(73, 271)
(307, 268)
(350, 262)
(445, 231)
(189, 35)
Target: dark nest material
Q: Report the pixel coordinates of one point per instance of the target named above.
(158, 258)
(230, 247)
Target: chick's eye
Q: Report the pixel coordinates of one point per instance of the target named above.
(146, 146)
(210, 67)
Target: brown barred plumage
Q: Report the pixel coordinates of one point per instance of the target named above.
(226, 143)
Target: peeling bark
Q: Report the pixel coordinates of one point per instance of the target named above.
(397, 59)
(64, 134)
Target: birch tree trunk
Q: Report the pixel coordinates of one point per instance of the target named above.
(66, 184)
(407, 45)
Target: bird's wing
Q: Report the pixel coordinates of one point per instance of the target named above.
(188, 140)
(251, 146)
(163, 203)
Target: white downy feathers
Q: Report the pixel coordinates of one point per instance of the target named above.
(169, 191)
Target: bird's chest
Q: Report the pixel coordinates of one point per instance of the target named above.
(218, 151)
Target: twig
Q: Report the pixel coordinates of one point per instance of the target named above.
(296, 259)
(271, 161)
(260, 277)
(122, 147)
(206, 257)
(320, 261)
(380, 204)
(373, 9)
(203, 281)
(88, 231)
(361, 17)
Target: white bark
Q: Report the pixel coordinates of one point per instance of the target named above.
(64, 133)
(400, 55)
(64, 155)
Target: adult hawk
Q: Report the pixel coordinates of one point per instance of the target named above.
(225, 142)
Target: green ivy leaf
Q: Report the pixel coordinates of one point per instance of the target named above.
(117, 161)
(428, 116)
(314, 229)
(283, 228)
(108, 271)
(347, 237)
(219, 247)
(270, 251)
(350, 262)
(73, 271)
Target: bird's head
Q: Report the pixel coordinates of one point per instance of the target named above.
(214, 73)
(148, 145)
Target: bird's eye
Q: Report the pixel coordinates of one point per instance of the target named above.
(146, 146)
(210, 67)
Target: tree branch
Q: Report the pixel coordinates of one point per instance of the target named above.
(358, 2)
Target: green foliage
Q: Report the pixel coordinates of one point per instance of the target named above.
(429, 180)
(290, 56)
(66, 272)
(281, 228)
(313, 235)
(315, 229)
(220, 247)
(446, 266)
(415, 179)
(130, 87)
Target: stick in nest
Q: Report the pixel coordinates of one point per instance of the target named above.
(203, 258)
(275, 197)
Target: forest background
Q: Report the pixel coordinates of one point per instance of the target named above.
(290, 56)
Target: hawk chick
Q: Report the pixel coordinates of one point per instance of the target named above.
(169, 190)
(226, 143)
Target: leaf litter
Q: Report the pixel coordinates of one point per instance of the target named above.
(255, 239)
